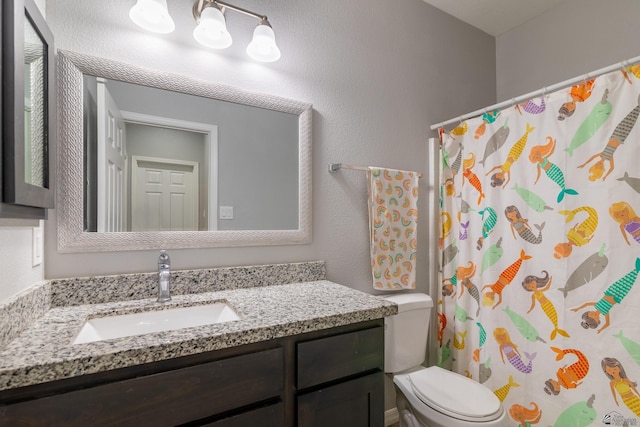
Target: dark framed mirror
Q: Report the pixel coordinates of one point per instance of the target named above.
(28, 111)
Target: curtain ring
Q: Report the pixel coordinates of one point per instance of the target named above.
(544, 91)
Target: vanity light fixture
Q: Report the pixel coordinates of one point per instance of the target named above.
(263, 45)
(212, 27)
(211, 30)
(152, 15)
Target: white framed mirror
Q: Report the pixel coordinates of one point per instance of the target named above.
(82, 229)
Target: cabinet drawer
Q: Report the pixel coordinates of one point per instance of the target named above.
(267, 416)
(327, 359)
(163, 399)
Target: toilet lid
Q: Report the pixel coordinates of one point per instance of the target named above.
(455, 395)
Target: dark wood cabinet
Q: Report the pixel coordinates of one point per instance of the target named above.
(355, 402)
(28, 112)
(341, 379)
(166, 398)
(339, 356)
(332, 377)
(272, 415)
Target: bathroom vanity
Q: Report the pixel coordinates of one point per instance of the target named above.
(331, 377)
(302, 354)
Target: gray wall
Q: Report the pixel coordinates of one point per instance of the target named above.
(378, 76)
(572, 39)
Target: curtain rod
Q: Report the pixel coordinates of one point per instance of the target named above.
(543, 91)
(335, 167)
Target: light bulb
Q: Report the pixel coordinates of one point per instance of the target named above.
(152, 15)
(263, 45)
(212, 29)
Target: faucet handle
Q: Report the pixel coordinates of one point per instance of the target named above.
(163, 259)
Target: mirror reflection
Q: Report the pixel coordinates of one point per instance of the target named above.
(157, 160)
(35, 157)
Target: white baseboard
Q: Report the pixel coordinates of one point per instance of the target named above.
(391, 416)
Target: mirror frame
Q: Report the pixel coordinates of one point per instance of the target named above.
(70, 182)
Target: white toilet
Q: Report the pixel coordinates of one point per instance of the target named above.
(431, 397)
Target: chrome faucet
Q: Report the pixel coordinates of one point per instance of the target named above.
(164, 274)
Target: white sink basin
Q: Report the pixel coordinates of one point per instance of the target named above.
(126, 325)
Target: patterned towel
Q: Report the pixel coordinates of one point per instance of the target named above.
(393, 220)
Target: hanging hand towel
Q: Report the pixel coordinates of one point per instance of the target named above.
(393, 217)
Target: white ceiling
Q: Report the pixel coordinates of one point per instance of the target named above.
(495, 16)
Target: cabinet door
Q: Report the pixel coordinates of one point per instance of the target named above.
(28, 114)
(355, 403)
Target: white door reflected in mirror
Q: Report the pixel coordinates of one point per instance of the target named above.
(112, 156)
(164, 195)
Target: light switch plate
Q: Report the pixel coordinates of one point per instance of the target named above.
(226, 212)
(36, 246)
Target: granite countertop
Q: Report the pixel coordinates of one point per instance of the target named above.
(44, 352)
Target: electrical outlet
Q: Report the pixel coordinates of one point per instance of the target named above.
(36, 246)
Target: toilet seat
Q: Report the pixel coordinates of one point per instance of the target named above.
(455, 395)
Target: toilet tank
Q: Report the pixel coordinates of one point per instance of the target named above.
(405, 334)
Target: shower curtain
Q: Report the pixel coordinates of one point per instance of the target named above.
(540, 244)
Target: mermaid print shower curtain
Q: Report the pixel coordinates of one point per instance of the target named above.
(540, 243)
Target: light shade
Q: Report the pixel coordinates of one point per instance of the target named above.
(263, 46)
(152, 15)
(212, 29)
